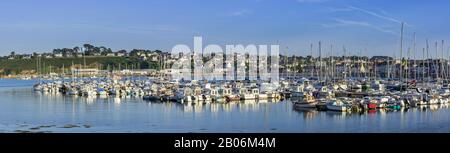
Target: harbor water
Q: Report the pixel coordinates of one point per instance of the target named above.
(24, 110)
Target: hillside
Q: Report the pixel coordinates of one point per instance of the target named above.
(20, 66)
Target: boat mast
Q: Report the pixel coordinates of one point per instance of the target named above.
(414, 53)
(389, 68)
(401, 58)
(428, 62)
(320, 61)
(446, 63)
(361, 64)
(441, 61)
(407, 66)
(63, 73)
(345, 63)
(84, 58)
(72, 72)
(436, 70)
(423, 65)
(332, 64)
(37, 69)
(311, 60)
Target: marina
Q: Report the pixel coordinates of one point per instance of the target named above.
(356, 86)
(351, 88)
(24, 110)
(317, 66)
(345, 96)
(224, 76)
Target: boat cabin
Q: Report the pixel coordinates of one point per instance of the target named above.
(243, 91)
(214, 92)
(198, 91)
(255, 91)
(225, 91)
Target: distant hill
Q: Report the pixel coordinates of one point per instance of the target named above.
(18, 66)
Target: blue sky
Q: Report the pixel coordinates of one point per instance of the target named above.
(370, 27)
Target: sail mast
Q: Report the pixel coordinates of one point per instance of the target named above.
(401, 58)
(442, 60)
(428, 61)
(414, 53)
(320, 60)
(423, 65)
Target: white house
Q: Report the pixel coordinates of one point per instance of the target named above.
(58, 55)
(120, 54)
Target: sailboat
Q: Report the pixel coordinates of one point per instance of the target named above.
(308, 101)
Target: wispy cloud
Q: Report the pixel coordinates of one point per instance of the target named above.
(348, 23)
(376, 14)
(383, 15)
(241, 12)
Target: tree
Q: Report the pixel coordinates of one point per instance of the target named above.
(76, 49)
(135, 52)
(35, 55)
(88, 49)
(106, 51)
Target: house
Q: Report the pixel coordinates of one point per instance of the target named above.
(58, 55)
(85, 71)
(70, 55)
(143, 57)
(110, 54)
(120, 54)
(37, 55)
(154, 58)
(26, 56)
(48, 56)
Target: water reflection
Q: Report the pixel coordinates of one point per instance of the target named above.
(382, 113)
(241, 106)
(135, 114)
(308, 113)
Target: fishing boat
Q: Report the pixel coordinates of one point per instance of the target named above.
(381, 101)
(38, 87)
(431, 99)
(188, 95)
(414, 99)
(73, 91)
(233, 95)
(308, 101)
(337, 105)
(102, 91)
(248, 94)
(152, 97)
(369, 103)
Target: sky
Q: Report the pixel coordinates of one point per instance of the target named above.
(369, 27)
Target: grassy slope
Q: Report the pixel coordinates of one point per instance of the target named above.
(16, 66)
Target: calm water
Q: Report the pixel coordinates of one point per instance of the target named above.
(22, 109)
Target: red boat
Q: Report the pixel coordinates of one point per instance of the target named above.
(372, 106)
